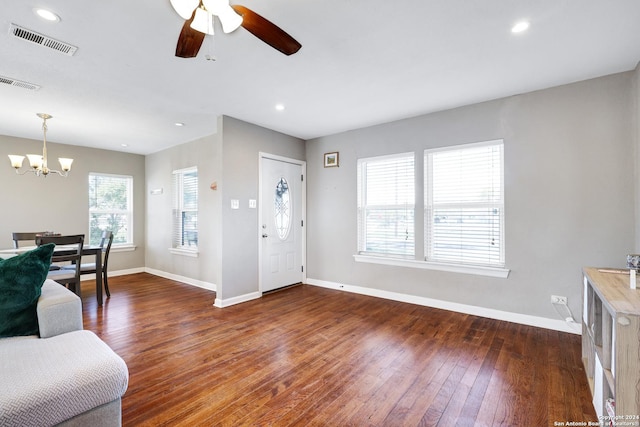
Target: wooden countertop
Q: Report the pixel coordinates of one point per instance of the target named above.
(612, 286)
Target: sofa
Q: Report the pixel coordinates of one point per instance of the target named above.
(63, 376)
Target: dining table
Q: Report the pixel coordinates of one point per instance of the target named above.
(90, 250)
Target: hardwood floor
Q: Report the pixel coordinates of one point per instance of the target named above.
(309, 356)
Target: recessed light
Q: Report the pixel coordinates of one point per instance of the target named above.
(520, 27)
(279, 107)
(124, 145)
(179, 124)
(47, 15)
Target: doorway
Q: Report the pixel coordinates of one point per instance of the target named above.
(282, 216)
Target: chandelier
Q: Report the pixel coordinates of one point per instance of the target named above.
(39, 162)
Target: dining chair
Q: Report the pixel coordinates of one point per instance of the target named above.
(71, 254)
(31, 238)
(105, 243)
(23, 237)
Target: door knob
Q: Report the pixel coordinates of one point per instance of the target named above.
(264, 235)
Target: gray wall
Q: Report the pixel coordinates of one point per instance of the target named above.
(569, 194)
(227, 238)
(571, 161)
(31, 203)
(205, 154)
(242, 143)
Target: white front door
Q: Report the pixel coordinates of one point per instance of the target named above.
(281, 225)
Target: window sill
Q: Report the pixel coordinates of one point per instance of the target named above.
(502, 273)
(184, 252)
(123, 248)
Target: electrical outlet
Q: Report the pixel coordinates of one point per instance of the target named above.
(555, 299)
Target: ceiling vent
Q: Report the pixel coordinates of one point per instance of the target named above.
(37, 38)
(13, 82)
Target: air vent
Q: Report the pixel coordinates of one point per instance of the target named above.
(37, 38)
(13, 82)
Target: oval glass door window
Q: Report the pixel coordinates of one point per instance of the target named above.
(282, 209)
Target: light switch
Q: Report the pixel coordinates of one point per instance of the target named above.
(235, 204)
(252, 203)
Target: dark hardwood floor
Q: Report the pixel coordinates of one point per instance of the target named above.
(309, 356)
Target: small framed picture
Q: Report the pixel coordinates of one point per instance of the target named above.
(331, 160)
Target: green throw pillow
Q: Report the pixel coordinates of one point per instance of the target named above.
(21, 279)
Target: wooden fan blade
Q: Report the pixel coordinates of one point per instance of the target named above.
(267, 31)
(189, 41)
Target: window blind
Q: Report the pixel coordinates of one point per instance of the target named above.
(185, 212)
(386, 205)
(464, 204)
(110, 207)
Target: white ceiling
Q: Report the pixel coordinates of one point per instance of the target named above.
(362, 62)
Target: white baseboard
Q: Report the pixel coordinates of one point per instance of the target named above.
(222, 303)
(177, 278)
(183, 279)
(524, 319)
(189, 281)
(114, 273)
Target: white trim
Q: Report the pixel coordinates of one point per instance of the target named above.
(182, 279)
(222, 303)
(524, 319)
(263, 155)
(467, 145)
(123, 248)
(184, 252)
(114, 273)
(384, 157)
(501, 273)
(185, 170)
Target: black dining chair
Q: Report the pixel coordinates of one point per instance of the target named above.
(71, 253)
(31, 238)
(25, 237)
(105, 243)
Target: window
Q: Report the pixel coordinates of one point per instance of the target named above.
(464, 204)
(386, 205)
(185, 209)
(282, 209)
(111, 208)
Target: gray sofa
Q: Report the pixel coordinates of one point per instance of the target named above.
(66, 376)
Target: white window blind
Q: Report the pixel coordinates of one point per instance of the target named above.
(464, 204)
(110, 208)
(386, 205)
(185, 212)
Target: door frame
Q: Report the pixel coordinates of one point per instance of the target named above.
(303, 215)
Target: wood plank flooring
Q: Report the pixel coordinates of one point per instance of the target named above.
(309, 356)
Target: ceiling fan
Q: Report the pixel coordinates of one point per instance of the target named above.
(198, 15)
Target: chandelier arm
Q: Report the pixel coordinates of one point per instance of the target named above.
(63, 174)
(24, 172)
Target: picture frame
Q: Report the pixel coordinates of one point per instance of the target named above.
(331, 160)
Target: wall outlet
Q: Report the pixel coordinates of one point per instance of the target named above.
(555, 299)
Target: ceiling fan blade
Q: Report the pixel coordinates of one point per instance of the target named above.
(267, 31)
(189, 41)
